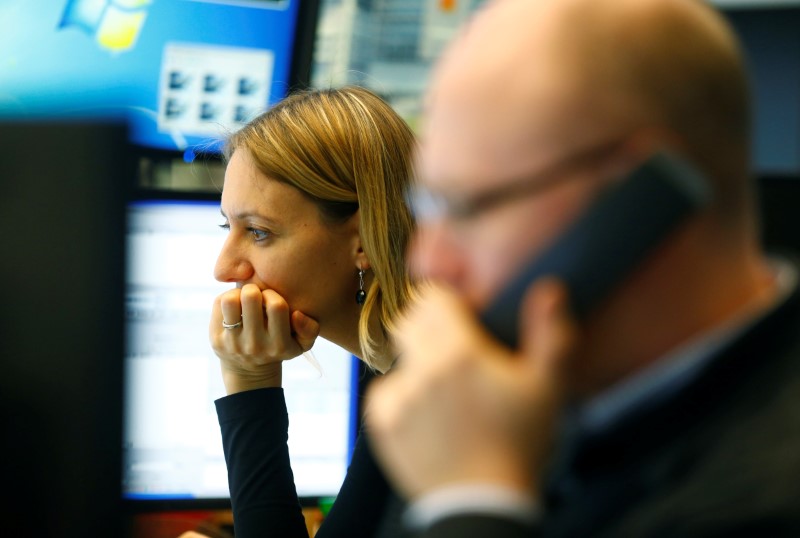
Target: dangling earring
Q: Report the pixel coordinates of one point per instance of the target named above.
(361, 295)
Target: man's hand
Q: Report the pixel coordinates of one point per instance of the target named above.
(462, 408)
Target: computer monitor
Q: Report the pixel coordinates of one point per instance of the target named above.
(173, 454)
(184, 73)
(64, 188)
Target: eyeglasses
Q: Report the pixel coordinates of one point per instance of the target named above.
(429, 205)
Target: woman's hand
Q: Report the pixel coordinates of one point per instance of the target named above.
(266, 333)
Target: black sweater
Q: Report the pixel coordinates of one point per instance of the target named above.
(265, 504)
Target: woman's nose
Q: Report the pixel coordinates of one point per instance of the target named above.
(232, 265)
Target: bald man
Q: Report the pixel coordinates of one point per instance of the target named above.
(673, 407)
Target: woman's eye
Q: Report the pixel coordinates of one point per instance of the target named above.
(259, 235)
(256, 233)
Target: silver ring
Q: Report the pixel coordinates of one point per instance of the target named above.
(232, 325)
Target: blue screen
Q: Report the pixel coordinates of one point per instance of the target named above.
(184, 73)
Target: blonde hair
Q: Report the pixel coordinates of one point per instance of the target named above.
(347, 151)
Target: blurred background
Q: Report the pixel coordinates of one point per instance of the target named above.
(112, 117)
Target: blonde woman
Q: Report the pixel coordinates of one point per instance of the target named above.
(314, 203)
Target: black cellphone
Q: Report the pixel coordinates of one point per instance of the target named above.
(606, 243)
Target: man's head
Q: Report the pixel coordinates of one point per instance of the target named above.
(582, 88)
(573, 94)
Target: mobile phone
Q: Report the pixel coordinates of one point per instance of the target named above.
(606, 243)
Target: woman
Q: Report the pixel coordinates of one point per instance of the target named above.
(318, 229)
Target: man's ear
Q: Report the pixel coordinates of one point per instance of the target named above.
(640, 147)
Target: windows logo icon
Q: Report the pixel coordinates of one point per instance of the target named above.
(115, 24)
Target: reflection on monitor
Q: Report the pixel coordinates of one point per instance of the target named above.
(172, 444)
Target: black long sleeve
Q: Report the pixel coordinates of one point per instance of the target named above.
(263, 495)
(255, 427)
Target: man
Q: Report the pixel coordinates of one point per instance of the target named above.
(674, 405)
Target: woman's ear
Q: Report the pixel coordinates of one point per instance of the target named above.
(360, 258)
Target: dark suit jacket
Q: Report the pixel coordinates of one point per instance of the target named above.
(719, 458)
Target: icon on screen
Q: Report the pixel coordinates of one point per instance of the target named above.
(212, 83)
(115, 24)
(209, 112)
(222, 87)
(178, 80)
(174, 108)
(243, 114)
(247, 86)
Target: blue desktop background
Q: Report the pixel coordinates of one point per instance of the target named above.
(50, 69)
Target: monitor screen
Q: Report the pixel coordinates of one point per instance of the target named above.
(182, 72)
(172, 443)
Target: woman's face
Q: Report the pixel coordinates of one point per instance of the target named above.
(277, 240)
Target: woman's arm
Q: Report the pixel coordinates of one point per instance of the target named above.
(253, 416)
(254, 428)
